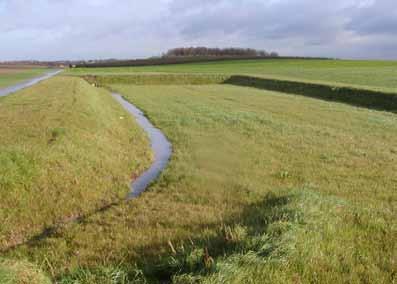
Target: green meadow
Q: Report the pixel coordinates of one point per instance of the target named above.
(263, 186)
(10, 76)
(380, 75)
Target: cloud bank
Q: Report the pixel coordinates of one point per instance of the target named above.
(74, 29)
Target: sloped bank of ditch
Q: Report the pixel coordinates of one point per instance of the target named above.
(371, 99)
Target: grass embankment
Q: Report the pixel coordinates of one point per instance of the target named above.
(262, 187)
(351, 95)
(65, 152)
(158, 79)
(377, 75)
(10, 76)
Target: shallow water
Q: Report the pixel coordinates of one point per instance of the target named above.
(160, 145)
(14, 88)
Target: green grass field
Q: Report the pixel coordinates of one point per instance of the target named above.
(380, 75)
(10, 76)
(262, 187)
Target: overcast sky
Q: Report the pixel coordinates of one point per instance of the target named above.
(88, 29)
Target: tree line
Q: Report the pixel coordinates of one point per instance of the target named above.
(217, 52)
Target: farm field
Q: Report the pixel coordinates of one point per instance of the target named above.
(11, 75)
(379, 75)
(198, 142)
(263, 187)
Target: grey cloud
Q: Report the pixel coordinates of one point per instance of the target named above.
(55, 29)
(279, 19)
(378, 18)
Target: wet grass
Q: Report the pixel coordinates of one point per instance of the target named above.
(378, 75)
(65, 152)
(263, 187)
(10, 76)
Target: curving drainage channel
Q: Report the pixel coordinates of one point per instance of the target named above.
(160, 145)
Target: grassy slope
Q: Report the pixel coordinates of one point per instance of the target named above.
(9, 76)
(64, 152)
(278, 188)
(380, 75)
(21, 272)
